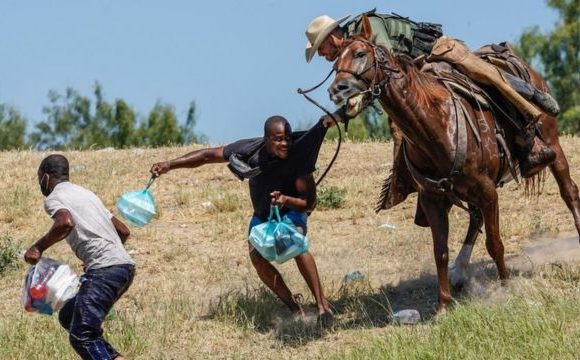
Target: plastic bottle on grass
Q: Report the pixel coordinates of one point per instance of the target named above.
(407, 317)
(356, 275)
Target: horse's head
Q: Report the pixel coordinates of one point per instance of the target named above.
(357, 68)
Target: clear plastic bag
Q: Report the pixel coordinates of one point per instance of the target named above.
(48, 285)
(138, 207)
(278, 239)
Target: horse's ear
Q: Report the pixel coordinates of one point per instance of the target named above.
(366, 31)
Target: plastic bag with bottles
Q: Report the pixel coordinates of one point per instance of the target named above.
(278, 239)
(48, 285)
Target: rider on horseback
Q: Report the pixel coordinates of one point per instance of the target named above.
(401, 35)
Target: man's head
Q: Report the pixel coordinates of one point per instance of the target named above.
(324, 35)
(53, 169)
(278, 136)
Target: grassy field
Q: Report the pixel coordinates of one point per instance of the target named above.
(196, 295)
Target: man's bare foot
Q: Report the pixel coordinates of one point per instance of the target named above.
(325, 319)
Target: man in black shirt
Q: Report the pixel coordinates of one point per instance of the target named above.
(282, 164)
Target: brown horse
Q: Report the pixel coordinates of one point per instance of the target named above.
(450, 162)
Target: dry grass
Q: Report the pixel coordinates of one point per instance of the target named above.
(196, 294)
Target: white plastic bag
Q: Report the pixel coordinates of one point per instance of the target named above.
(48, 285)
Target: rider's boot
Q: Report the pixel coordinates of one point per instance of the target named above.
(536, 154)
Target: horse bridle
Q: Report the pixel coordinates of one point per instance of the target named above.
(379, 62)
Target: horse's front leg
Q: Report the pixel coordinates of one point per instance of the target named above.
(490, 208)
(436, 210)
(459, 270)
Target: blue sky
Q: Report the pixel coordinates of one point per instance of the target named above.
(241, 61)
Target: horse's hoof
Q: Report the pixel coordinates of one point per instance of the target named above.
(441, 311)
(458, 277)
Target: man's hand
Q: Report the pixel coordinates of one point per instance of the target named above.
(160, 168)
(327, 120)
(278, 198)
(32, 255)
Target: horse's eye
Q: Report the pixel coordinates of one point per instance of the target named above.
(360, 54)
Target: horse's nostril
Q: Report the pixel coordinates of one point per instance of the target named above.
(342, 87)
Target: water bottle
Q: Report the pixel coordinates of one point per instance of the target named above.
(283, 242)
(39, 289)
(356, 275)
(407, 317)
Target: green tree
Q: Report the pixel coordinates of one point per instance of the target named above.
(68, 118)
(557, 54)
(12, 128)
(189, 135)
(161, 127)
(74, 121)
(122, 126)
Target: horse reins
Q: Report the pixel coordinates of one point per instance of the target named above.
(374, 89)
(304, 93)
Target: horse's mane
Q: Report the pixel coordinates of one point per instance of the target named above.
(424, 88)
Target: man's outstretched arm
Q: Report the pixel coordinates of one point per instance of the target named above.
(190, 160)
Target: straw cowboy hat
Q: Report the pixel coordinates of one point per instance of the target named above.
(317, 31)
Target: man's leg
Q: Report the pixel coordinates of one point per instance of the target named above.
(271, 277)
(309, 271)
(307, 267)
(66, 313)
(65, 318)
(100, 289)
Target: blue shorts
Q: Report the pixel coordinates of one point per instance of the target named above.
(300, 219)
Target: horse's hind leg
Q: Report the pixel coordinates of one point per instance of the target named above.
(568, 188)
(488, 202)
(458, 272)
(561, 170)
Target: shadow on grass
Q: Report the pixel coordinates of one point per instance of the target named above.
(356, 305)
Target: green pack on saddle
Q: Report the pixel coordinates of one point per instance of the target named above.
(398, 33)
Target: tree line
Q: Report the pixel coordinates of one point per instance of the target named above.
(75, 121)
